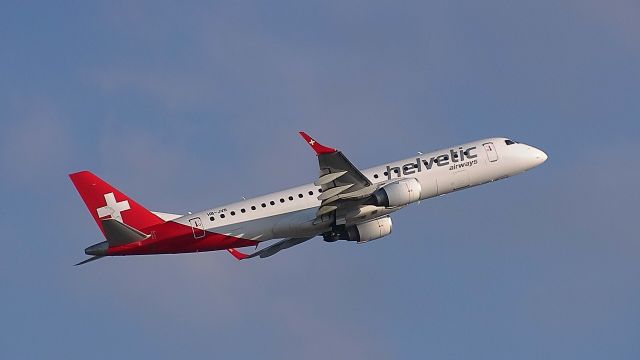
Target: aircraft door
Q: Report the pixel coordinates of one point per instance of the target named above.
(197, 227)
(490, 149)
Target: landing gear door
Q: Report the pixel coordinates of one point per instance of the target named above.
(490, 149)
(197, 228)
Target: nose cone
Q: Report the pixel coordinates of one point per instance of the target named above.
(541, 156)
(536, 156)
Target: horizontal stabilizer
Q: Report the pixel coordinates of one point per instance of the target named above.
(93, 258)
(118, 234)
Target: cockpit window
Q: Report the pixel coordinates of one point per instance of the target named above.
(510, 142)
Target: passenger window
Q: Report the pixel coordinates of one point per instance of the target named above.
(212, 218)
(281, 200)
(272, 202)
(233, 213)
(300, 196)
(375, 176)
(222, 216)
(253, 207)
(243, 211)
(290, 198)
(264, 205)
(310, 192)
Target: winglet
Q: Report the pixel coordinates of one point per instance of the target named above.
(237, 254)
(316, 146)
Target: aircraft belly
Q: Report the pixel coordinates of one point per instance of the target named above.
(300, 224)
(293, 224)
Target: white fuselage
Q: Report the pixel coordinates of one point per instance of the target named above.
(291, 213)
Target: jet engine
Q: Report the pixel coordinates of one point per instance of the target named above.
(398, 193)
(367, 231)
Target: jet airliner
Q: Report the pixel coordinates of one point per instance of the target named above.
(343, 203)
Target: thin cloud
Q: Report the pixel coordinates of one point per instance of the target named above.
(36, 143)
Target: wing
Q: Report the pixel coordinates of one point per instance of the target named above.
(341, 182)
(344, 189)
(270, 250)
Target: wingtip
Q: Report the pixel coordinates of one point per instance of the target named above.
(316, 146)
(237, 254)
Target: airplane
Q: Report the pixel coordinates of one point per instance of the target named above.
(343, 203)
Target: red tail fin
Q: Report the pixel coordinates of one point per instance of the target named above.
(106, 202)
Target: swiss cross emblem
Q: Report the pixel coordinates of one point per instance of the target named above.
(113, 208)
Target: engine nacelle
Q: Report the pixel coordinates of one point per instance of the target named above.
(398, 193)
(369, 230)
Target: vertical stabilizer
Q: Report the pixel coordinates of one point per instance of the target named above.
(106, 202)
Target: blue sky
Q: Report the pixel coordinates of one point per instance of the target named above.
(187, 106)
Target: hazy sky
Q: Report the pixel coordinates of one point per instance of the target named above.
(189, 106)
